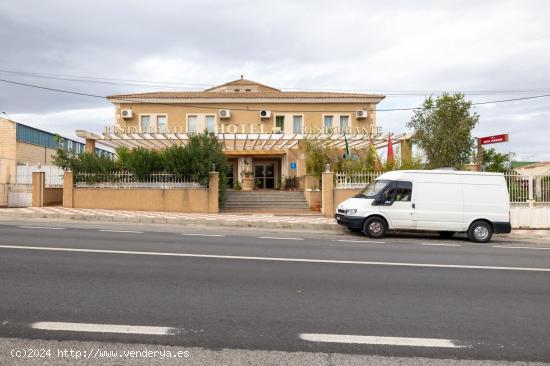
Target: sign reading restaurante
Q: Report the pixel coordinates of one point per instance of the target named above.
(372, 131)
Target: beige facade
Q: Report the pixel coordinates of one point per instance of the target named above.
(14, 152)
(245, 112)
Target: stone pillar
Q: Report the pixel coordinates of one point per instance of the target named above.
(406, 150)
(68, 189)
(213, 193)
(327, 194)
(90, 146)
(38, 184)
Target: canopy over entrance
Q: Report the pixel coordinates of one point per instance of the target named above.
(267, 142)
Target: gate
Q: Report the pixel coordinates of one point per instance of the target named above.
(20, 193)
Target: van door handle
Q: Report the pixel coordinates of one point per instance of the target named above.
(413, 205)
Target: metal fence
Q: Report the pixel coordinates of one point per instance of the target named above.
(521, 188)
(125, 180)
(355, 180)
(524, 188)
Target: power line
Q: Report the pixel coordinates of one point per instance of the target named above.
(244, 109)
(179, 85)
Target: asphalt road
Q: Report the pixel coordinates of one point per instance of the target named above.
(282, 291)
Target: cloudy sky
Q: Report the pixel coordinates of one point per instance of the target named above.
(491, 50)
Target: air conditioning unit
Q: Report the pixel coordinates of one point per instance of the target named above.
(225, 113)
(264, 113)
(361, 114)
(126, 113)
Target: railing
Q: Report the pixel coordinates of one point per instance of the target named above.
(355, 180)
(521, 188)
(524, 188)
(125, 180)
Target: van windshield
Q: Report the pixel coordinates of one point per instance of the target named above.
(373, 188)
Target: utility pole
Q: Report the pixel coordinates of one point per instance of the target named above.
(479, 154)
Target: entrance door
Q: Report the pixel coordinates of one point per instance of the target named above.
(232, 167)
(264, 175)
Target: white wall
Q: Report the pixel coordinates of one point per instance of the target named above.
(535, 216)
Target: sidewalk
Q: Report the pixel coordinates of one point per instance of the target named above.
(307, 222)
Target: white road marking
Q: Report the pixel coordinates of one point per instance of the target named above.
(442, 244)
(122, 231)
(42, 227)
(361, 241)
(277, 238)
(203, 234)
(103, 328)
(510, 247)
(276, 259)
(390, 341)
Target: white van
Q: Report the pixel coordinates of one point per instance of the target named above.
(437, 200)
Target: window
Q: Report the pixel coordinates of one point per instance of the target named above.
(297, 124)
(191, 124)
(70, 145)
(344, 122)
(327, 122)
(145, 123)
(400, 192)
(162, 123)
(280, 122)
(211, 123)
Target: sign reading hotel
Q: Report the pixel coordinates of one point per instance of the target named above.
(493, 139)
(251, 128)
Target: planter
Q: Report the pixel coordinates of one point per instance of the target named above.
(248, 183)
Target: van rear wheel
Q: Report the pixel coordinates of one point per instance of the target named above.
(375, 228)
(480, 232)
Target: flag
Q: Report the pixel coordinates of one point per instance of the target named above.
(390, 158)
(377, 164)
(347, 147)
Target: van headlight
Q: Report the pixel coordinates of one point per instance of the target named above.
(350, 211)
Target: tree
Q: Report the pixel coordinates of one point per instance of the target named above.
(443, 129)
(495, 162)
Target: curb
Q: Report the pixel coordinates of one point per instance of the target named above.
(176, 221)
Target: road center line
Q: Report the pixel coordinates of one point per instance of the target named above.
(361, 241)
(390, 341)
(103, 328)
(190, 234)
(510, 247)
(42, 227)
(277, 238)
(122, 231)
(275, 259)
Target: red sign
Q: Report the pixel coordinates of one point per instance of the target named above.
(493, 139)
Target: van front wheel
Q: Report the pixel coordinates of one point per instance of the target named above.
(480, 232)
(375, 227)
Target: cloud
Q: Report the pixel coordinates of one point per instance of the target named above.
(362, 45)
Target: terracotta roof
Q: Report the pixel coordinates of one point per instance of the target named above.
(258, 91)
(261, 95)
(244, 82)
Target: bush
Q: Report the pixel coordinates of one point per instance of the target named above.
(194, 160)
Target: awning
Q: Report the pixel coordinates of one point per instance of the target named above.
(239, 141)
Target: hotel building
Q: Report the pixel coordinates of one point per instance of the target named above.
(261, 127)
